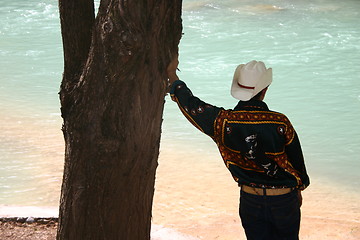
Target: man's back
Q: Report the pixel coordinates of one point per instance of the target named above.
(259, 147)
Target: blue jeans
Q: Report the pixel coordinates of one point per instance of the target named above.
(270, 217)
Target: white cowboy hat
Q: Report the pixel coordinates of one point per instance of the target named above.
(249, 79)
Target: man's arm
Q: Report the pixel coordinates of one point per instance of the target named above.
(296, 158)
(199, 113)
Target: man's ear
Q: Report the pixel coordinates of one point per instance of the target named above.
(263, 92)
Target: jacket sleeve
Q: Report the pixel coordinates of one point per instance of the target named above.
(296, 158)
(199, 113)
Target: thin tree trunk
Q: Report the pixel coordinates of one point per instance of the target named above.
(112, 98)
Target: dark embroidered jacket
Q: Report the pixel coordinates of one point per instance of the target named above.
(260, 147)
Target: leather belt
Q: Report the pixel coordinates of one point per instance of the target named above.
(266, 191)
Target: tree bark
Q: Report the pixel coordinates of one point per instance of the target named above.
(112, 97)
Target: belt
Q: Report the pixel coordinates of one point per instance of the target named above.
(266, 191)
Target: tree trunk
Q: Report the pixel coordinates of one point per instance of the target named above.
(112, 98)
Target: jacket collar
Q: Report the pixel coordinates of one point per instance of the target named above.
(251, 105)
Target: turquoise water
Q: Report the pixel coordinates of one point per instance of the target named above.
(312, 46)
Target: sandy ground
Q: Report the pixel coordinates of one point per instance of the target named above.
(28, 231)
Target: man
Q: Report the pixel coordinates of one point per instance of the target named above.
(259, 147)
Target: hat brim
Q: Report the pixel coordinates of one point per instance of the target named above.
(241, 93)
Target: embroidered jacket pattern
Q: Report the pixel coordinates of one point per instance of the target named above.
(259, 147)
